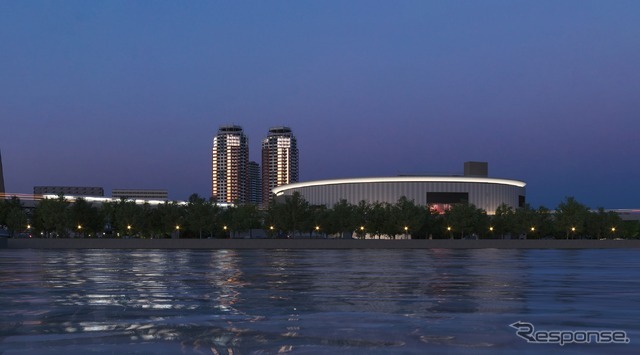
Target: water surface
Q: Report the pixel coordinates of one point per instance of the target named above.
(312, 301)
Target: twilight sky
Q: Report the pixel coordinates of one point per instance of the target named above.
(129, 94)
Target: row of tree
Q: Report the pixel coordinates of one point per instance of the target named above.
(294, 217)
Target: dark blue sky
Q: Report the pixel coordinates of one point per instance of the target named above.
(128, 94)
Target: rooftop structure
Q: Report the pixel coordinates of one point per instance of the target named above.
(69, 190)
(140, 194)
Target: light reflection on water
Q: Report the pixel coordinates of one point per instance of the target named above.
(310, 301)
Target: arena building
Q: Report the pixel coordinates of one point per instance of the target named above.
(437, 192)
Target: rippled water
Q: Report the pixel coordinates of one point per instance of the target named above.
(312, 301)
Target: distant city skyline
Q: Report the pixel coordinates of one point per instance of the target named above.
(129, 94)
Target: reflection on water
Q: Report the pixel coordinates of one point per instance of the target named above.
(270, 301)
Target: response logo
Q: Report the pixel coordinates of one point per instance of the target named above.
(526, 331)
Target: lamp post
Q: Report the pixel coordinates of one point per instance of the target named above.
(79, 229)
(613, 232)
(317, 230)
(406, 229)
(450, 234)
(361, 232)
(128, 231)
(178, 231)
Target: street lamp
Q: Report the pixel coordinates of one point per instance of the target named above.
(178, 230)
(406, 229)
(317, 231)
(450, 234)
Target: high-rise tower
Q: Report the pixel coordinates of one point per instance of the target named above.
(230, 159)
(1, 176)
(254, 195)
(279, 160)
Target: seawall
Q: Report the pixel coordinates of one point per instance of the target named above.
(312, 244)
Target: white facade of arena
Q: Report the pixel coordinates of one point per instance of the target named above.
(483, 192)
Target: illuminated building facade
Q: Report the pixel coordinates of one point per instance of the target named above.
(439, 193)
(230, 164)
(279, 161)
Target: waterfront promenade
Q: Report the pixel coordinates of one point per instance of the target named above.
(313, 244)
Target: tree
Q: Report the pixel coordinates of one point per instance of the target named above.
(503, 221)
(168, 217)
(342, 219)
(201, 215)
(361, 214)
(50, 216)
(291, 214)
(317, 220)
(544, 222)
(242, 218)
(525, 220)
(465, 217)
(409, 217)
(602, 224)
(13, 215)
(83, 217)
(378, 216)
(571, 217)
(128, 218)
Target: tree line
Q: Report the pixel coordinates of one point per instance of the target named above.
(294, 217)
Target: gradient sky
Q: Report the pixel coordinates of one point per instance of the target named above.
(129, 94)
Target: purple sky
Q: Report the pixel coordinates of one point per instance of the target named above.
(128, 94)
